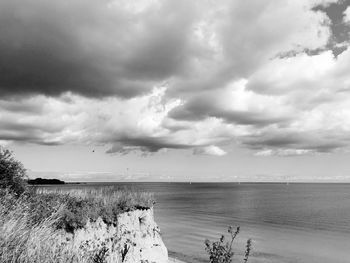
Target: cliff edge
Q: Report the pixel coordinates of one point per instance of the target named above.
(135, 238)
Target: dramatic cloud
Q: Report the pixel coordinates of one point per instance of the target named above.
(100, 48)
(94, 48)
(292, 142)
(142, 76)
(340, 29)
(139, 124)
(234, 104)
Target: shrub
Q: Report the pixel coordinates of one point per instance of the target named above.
(247, 251)
(12, 172)
(221, 252)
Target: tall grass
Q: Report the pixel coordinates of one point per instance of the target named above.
(83, 205)
(34, 226)
(38, 225)
(126, 198)
(24, 242)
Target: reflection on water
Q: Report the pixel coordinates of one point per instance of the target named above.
(288, 223)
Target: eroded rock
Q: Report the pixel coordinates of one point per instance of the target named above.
(135, 238)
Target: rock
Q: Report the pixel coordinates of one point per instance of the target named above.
(142, 236)
(135, 238)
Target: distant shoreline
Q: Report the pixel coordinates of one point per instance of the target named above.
(51, 181)
(44, 181)
(183, 182)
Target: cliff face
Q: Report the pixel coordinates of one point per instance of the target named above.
(139, 230)
(135, 238)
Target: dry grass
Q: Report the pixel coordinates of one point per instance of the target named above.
(34, 223)
(129, 199)
(33, 227)
(82, 205)
(22, 242)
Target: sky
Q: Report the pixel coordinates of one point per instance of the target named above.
(165, 90)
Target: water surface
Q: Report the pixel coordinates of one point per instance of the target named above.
(306, 223)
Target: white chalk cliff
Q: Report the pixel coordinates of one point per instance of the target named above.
(135, 238)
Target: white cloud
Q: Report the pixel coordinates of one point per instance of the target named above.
(221, 61)
(283, 152)
(138, 124)
(285, 75)
(238, 39)
(347, 15)
(209, 150)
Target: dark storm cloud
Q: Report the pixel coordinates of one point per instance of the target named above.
(320, 143)
(26, 127)
(88, 47)
(144, 144)
(262, 141)
(40, 51)
(99, 68)
(340, 29)
(20, 106)
(27, 137)
(249, 118)
(201, 108)
(28, 132)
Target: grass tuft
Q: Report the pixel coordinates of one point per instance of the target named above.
(32, 224)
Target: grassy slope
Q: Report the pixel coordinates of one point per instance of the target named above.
(30, 225)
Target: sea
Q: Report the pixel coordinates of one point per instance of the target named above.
(288, 223)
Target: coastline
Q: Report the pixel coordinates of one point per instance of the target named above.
(185, 227)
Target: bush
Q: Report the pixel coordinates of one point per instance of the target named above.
(221, 252)
(12, 172)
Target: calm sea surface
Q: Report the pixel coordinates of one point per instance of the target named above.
(288, 223)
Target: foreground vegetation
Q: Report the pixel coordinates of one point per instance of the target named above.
(31, 224)
(25, 241)
(34, 221)
(221, 251)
